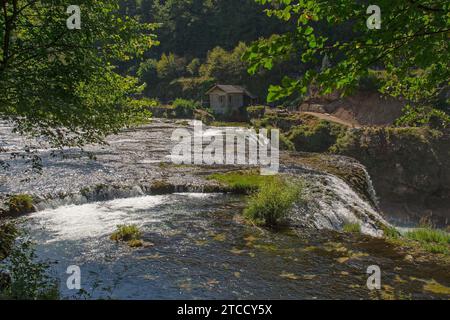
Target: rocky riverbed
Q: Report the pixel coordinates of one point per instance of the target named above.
(138, 162)
(196, 242)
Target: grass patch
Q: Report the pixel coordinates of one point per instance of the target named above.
(229, 124)
(242, 182)
(435, 287)
(391, 233)
(352, 228)
(135, 243)
(20, 204)
(432, 240)
(429, 235)
(129, 234)
(436, 248)
(271, 205)
(425, 238)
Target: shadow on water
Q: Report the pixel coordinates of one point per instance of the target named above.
(197, 247)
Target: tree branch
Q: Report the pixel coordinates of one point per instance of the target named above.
(7, 36)
(426, 8)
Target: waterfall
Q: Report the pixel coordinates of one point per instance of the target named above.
(370, 188)
(330, 203)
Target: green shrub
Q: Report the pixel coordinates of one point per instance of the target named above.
(147, 73)
(20, 204)
(146, 102)
(352, 228)
(280, 119)
(317, 137)
(286, 144)
(372, 81)
(273, 202)
(8, 234)
(424, 116)
(193, 67)
(185, 108)
(204, 116)
(391, 233)
(29, 279)
(256, 112)
(126, 233)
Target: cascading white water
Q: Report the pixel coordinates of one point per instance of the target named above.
(330, 203)
(370, 188)
(193, 248)
(130, 164)
(94, 220)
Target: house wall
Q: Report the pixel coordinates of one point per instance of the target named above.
(222, 103)
(236, 101)
(217, 102)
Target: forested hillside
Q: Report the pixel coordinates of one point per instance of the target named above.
(201, 43)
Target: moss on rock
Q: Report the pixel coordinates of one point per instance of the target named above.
(162, 187)
(406, 164)
(317, 136)
(20, 204)
(345, 168)
(240, 182)
(129, 234)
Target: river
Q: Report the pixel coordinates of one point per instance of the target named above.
(197, 246)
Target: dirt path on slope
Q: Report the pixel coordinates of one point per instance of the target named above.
(331, 118)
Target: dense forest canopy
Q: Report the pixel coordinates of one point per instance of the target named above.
(325, 43)
(190, 28)
(202, 43)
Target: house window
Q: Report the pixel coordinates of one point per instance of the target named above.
(229, 100)
(221, 99)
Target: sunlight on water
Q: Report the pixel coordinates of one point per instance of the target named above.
(101, 218)
(195, 248)
(94, 219)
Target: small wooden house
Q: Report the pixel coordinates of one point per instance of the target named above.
(229, 99)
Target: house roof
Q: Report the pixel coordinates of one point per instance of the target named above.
(232, 89)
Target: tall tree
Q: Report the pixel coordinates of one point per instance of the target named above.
(61, 83)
